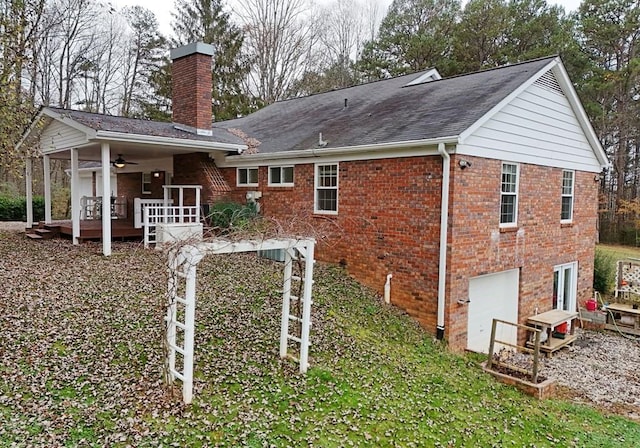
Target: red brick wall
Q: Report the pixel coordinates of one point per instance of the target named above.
(187, 170)
(191, 84)
(130, 187)
(540, 242)
(389, 218)
(388, 222)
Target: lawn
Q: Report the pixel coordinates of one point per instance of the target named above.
(620, 252)
(81, 359)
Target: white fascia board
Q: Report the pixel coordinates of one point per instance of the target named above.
(112, 136)
(410, 148)
(565, 82)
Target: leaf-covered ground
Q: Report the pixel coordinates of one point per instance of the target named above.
(81, 361)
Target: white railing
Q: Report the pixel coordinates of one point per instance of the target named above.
(139, 204)
(154, 215)
(91, 207)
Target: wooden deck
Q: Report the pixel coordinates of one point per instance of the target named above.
(92, 229)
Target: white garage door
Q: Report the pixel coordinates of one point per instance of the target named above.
(492, 296)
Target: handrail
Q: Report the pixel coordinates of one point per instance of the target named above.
(535, 350)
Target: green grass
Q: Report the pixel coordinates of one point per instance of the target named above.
(83, 369)
(620, 252)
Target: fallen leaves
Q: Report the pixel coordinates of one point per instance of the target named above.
(81, 362)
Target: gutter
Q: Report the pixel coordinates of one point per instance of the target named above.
(232, 161)
(171, 141)
(444, 223)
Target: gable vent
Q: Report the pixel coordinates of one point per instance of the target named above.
(549, 82)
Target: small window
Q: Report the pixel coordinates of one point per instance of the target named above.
(248, 177)
(146, 183)
(281, 176)
(326, 183)
(509, 195)
(566, 214)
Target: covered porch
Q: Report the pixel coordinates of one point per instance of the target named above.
(125, 147)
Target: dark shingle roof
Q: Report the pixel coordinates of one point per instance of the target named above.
(143, 127)
(383, 111)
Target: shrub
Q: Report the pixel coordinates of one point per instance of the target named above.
(227, 217)
(14, 208)
(604, 271)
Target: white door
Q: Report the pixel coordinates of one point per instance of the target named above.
(492, 296)
(565, 286)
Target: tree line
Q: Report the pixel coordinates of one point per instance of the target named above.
(84, 54)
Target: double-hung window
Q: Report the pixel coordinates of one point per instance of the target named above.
(247, 177)
(146, 183)
(566, 213)
(509, 195)
(281, 176)
(326, 186)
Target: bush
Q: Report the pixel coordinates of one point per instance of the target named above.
(226, 217)
(604, 271)
(14, 208)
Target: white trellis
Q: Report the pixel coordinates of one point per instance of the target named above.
(180, 319)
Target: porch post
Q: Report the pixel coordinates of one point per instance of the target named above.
(75, 197)
(46, 166)
(106, 199)
(28, 177)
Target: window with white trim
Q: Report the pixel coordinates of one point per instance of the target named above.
(509, 195)
(281, 176)
(247, 177)
(566, 213)
(326, 186)
(146, 183)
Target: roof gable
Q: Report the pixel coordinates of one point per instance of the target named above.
(542, 122)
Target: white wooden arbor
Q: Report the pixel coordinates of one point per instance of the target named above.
(181, 296)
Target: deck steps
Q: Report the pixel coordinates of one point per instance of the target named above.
(43, 231)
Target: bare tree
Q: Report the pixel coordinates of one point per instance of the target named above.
(279, 36)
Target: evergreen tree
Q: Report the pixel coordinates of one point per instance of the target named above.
(206, 21)
(610, 34)
(480, 36)
(414, 35)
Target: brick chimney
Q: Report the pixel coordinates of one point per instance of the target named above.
(191, 84)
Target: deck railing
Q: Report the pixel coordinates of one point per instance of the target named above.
(91, 207)
(153, 215)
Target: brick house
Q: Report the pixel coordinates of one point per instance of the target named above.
(478, 193)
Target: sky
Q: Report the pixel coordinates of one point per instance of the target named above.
(162, 8)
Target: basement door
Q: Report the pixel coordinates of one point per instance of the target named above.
(492, 296)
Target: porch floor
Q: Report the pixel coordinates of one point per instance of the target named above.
(92, 229)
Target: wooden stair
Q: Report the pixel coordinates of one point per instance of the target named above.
(43, 232)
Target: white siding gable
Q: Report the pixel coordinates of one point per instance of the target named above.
(538, 126)
(59, 136)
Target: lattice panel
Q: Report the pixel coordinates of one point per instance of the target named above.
(216, 181)
(628, 277)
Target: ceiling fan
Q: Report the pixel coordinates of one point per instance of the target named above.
(120, 162)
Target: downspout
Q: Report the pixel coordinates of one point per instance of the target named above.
(444, 223)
